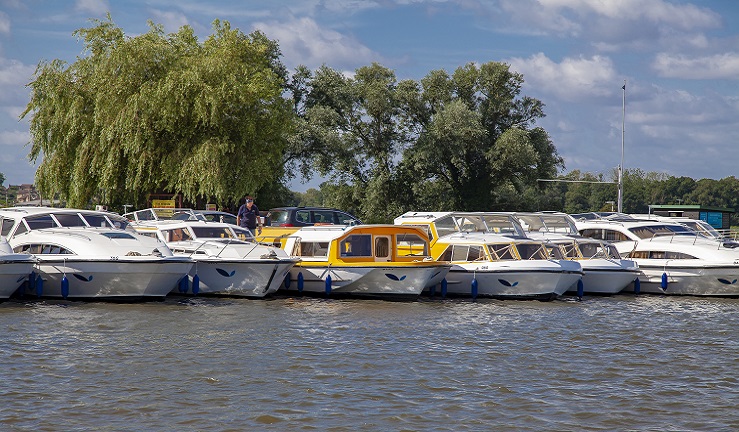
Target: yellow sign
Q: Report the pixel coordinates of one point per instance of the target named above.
(158, 203)
(210, 207)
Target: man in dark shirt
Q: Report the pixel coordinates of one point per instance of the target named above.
(248, 215)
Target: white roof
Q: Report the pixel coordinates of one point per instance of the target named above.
(481, 237)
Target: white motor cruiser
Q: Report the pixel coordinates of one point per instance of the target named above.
(492, 257)
(604, 271)
(672, 258)
(228, 261)
(497, 266)
(84, 254)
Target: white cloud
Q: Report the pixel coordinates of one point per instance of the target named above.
(683, 16)
(14, 73)
(4, 23)
(94, 7)
(572, 79)
(719, 66)
(171, 21)
(14, 138)
(303, 41)
(610, 25)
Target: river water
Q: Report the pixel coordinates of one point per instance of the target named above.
(306, 364)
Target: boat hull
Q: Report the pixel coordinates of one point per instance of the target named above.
(717, 281)
(606, 277)
(524, 280)
(380, 281)
(95, 279)
(13, 273)
(237, 278)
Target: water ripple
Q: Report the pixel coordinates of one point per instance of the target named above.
(610, 363)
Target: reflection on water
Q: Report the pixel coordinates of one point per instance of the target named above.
(611, 363)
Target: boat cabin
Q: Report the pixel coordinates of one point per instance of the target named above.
(358, 243)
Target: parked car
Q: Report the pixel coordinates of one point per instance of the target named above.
(306, 216)
(218, 216)
(208, 215)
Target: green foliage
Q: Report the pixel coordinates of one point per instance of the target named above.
(160, 112)
(464, 141)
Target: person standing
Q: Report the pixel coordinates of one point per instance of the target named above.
(248, 216)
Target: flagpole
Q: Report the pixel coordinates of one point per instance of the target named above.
(621, 167)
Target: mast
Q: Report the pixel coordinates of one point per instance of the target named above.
(621, 167)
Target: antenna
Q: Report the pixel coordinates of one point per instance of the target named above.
(621, 167)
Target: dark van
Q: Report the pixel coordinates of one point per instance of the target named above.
(306, 216)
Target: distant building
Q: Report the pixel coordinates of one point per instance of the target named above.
(26, 193)
(717, 217)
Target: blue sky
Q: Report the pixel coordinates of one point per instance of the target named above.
(680, 60)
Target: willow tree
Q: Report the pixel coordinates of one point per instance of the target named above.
(156, 113)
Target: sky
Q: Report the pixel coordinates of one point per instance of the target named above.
(679, 62)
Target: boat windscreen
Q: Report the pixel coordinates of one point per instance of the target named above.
(69, 219)
(40, 221)
(445, 226)
(209, 232)
(650, 231)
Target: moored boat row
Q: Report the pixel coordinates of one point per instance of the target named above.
(152, 253)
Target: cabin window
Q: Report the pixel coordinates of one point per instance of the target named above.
(501, 252)
(532, 251)
(570, 250)
(311, 249)
(211, 232)
(243, 234)
(592, 233)
(356, 245)
(69, 219)
(459, 253)
(411, 245)
(555, 252)
(455, 253)
(177, 234)
(590, 250)
(661, 255)
(678, 255)
(475, 253)
(425, 227)
(382, 247)
(612, 251)
(7, 225)
(42, 249)
(40, 222)
(612, 235)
